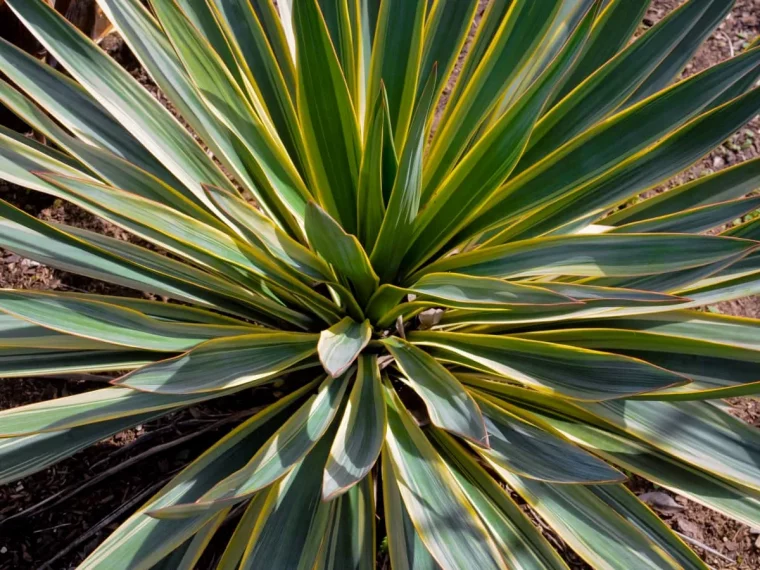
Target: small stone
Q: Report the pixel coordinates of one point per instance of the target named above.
(3, 550)
(430, 318)
(719, 162)
(661, 502)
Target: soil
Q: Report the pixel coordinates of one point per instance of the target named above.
(54, 533)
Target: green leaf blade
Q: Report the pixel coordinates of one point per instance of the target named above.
(340, 345)
(361, 432)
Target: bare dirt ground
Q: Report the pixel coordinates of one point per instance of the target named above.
(75, 522)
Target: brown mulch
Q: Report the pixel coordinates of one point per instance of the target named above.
(30, 541)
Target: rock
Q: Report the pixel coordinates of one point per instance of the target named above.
(661, 502)
(719, 162)
(430, 318)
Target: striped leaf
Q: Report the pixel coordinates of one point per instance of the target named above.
(281, 453)
(329, 125)
(695, 432)
(448, 403)
(724, 185)
(625, 503)
(603, 538)
(25, 455)
(108, 83)
(525, 449)
(517, 539)
(594, 255)
(721, 371)
(111, 323)
(736, 502)
(293, 509)
(670, 67)
(405, 548)
(377, 172)
(90, 407)
(611, 83)
(249, 359)
(142, 540)
(491, 160)
(404, 201)
(350, 538)
(508, 49)
(360, 434)
(341, 344)
(551, 368)
(280, 188)
(453, 533)
(396, 62)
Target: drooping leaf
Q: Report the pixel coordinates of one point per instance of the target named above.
(277, 457)
(448, 403)
(453, 532)
(110, 323)
(529, 451)
(593, 255)
(405, 548)
(516, 537)
(249, 359)
(350, 538)
(340, 345)
(599, 535)
(552, 368)
(360, 434)
(142, 540)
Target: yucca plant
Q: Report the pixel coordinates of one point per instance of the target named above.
(455, 303)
